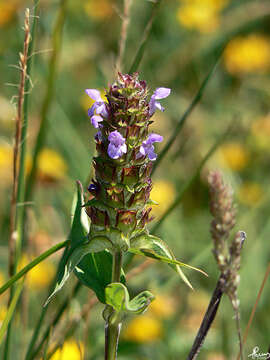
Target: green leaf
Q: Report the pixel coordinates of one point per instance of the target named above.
(95, 272)
(152, 246)
(79, 246)
(117, 297)
(74, 256)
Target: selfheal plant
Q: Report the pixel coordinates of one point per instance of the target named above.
(119, 206)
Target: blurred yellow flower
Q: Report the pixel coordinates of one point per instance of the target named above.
(216, 356)
(234, 156)
(3, 313)
(51, 165)
(197, 305)
(99, 10)
(247, 54)
(6, 161)
(143, 329)
(162, 307)
(250, 193)
(201, 15)
(71, 350)
(87, 102)
(260, 129)
(2, 279)
(7, 11)
(163, 193)
(40, 276)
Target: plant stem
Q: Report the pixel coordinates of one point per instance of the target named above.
(208, 319)
(42, 132)
(113, 324)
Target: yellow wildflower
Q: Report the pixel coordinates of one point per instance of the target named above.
(3, 313)
(162, 307)
(260, 129)
(6, 161)
(215, 356)
(51, 165)
(71, 350)
(234, 156)
(7, 11)
(2, 279)
(143, 329)
(250, 193)
(163, 193)
(197, 305)
(100, 10)
(247, 54)
(201, 15)
(40, 276)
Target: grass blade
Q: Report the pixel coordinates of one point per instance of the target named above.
(147, 31)
(193, 178)
(32, 264)
(57, 40)
(11, 310)
(186, 114)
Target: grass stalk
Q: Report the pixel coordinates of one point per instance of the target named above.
(41, 137)
(147, 31)
(32, 264)
(33, 352)
(28, 86)
(123, 35)
(14, 243)
(186, 114)
(11, 310)
(189, 182)
(255, 307)
(208, 319)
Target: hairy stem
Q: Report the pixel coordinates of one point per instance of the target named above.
(208, 319)
(113, 325)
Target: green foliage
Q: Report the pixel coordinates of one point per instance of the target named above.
(153, 247)
(117, 297)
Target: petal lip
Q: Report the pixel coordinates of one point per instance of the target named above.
(152, 138)
(161, 93)
(93, 94)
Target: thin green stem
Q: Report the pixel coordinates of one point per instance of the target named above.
(113, 324)
(186, 114)
(56, 42)
(28, 85)
(11, 310)
(187, 185)
(147, 31)
(32, 264)
(31, 352)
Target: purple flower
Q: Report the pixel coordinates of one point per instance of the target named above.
(98, 136)
(147, 147)
(99, 107)
(160, 93)
(95, 120)
(117, 146)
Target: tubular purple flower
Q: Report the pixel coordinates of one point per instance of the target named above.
(147, 147)
(159, 93)
(117, 146)
(95, 120)
(99, 106)
(98, 136)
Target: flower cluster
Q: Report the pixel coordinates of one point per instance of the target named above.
(125, 151)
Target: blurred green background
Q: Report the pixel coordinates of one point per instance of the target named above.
(185, 41)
